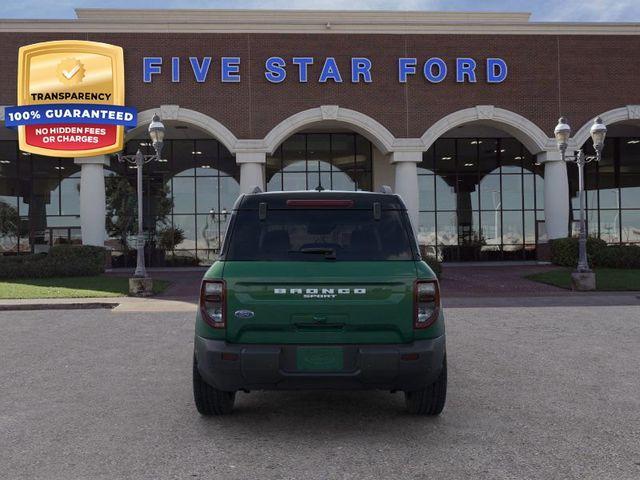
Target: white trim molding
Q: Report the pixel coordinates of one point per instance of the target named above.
(622, 114)
(200, 120)
(332, 114)
(531, 136)
(198, 21)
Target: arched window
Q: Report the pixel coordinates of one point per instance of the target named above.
(200, 181)
(480, 199)
(612, 189)
(331, 161)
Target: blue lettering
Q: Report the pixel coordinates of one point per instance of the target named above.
(230, 70)
(406, 66)
(465, 67)
(151, 66)
(496, 70)
(303, 64)
(275, 69)
(330, 71)
(360, 67)
(428, 70)
(200, 71)
(175, 69)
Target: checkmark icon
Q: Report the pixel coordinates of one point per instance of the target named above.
(71, 73)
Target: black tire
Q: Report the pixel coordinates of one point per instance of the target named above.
(431, 400)
(209, 400)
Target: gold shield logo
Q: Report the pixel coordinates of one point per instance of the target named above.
(78, 74)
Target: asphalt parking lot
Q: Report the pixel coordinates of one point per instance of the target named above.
(536, 392)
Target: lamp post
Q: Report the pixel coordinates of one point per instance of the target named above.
(156, 133)
(583, 278)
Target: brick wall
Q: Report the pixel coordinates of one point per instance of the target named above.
(578, 76)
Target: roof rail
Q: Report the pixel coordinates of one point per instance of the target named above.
(386, 189)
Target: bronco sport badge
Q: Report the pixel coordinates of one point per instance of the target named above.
(319, 292)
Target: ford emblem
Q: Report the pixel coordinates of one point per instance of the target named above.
(244, 314)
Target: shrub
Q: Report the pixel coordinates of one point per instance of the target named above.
(61, 261)
(564, 252)
(170, 237)
(618, 256)
(181, 261)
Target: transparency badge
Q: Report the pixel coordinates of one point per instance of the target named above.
(70, 99)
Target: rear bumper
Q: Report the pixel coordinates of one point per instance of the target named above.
(273, 367)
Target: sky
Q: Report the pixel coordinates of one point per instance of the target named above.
(542, 10)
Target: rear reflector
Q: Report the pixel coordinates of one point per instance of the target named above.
(320, 203)
(230, 357)
(409, 356)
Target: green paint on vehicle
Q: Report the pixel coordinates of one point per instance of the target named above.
(320, 290)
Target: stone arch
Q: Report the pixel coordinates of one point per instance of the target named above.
(527, 132)
(382, 138)
(197, 119)
(622, 114)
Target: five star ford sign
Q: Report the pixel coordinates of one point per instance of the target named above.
(71, 99)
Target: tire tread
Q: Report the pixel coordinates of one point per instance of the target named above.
(209, 400)
(430, 400)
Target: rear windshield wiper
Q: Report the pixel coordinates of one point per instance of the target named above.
(329, 253)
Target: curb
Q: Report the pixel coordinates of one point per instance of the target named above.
(58, 306)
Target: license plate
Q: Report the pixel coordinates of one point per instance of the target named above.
(320, 359)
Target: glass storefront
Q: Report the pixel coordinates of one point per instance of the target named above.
(480, 199)
(193, 189)
(329, 161)
(612, 189)
(39, 201)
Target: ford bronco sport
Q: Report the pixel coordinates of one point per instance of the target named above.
(319, 290)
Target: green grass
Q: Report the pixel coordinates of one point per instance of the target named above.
(607, 279)
(71, 287)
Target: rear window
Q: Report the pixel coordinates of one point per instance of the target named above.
(319, 235)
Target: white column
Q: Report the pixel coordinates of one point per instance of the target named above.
(556, 195)
(251, 170)
(93, 208)
(406, 181)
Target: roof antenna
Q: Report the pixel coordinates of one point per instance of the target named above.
(319, 188)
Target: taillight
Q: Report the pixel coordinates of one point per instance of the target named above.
(213, 302)
(426, 302)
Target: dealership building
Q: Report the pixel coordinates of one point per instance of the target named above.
(454, 111)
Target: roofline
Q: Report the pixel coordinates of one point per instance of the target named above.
(310, 21)
(266, 15)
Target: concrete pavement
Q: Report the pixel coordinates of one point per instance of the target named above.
(544, 392)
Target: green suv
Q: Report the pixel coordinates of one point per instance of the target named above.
(319, 290)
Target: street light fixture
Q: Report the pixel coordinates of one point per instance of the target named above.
(156, 133)
(598, 133)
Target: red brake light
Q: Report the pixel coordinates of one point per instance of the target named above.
(213, 303)
(426, 303)
(336, 203)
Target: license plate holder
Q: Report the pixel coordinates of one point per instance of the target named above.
(320, 359)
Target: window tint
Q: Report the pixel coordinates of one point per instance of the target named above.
(318, 235)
